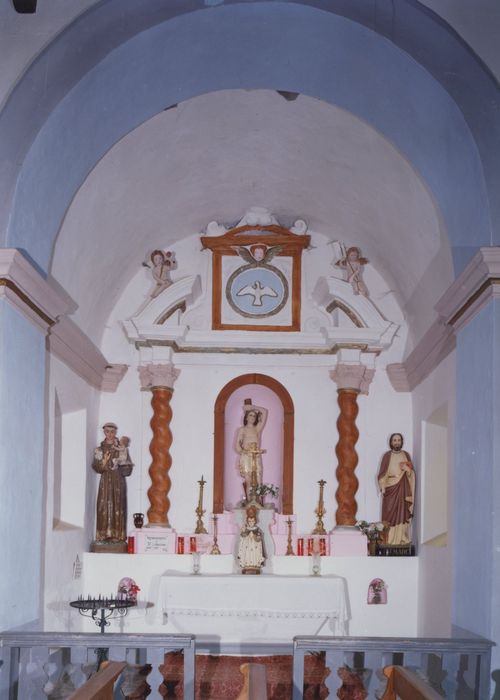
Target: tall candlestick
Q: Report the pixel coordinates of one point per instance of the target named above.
(320, 511)
(289, 548)
(215, 547)
(200, 527)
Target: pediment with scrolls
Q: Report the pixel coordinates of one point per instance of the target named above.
(194, 314)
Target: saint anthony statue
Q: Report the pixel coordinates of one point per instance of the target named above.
(396, 479)
(251, 554)
(112, 462)
(248, 445)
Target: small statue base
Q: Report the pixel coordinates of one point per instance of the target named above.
(250, 570)
(395, 550)
(108, 547)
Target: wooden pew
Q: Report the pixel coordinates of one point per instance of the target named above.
(100, 686)
(254, 683)
(406, 685)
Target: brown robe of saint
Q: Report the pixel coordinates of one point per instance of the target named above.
(112, 495)
(397, 500)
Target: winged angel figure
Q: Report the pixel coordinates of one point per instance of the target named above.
(258, 254)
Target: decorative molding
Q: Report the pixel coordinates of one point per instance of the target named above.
(161, 319)
(330, 293)
(472, 290)
(434, 347)
(70, 345)
(28, 291)
(113, 374)
(352, 377)
(279, 242)
(155, 376)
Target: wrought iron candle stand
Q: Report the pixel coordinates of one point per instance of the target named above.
(100, 609)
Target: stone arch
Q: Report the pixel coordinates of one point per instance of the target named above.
(124, 76)
(288, 436)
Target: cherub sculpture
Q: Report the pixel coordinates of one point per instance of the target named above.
(162, 263)
(352, 263)
(258, 254)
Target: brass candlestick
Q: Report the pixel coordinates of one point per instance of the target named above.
(289, 548)
(200, 527)
(215, 547)
(320, 511)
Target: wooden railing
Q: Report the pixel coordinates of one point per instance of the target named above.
(101, 686)
(455, 667)
(406, 685)
(36, 665)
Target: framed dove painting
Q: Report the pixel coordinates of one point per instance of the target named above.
(256, 278)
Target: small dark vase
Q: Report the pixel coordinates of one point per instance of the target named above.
(138, 520)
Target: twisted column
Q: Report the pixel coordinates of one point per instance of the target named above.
(159, 379)
(347, 458)
(351, 380)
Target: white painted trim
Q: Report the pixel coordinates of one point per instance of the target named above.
(376, 335)
(42, 305)
(436, 344)
(472, 290)
(74, 348)
(30, 293)
(457, 305)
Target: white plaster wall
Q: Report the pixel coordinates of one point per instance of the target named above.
(314, 394)
(162, 182)
(24, 36)
(435, 571)
(398, 618)
(64, 542)
(203, 376)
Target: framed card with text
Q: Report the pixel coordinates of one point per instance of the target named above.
(256, 278)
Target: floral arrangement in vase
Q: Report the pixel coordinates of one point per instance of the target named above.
(265, 490)
(372, 530)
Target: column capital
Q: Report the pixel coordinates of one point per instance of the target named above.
(155, 376)
(354, 377)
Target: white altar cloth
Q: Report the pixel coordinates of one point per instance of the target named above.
(237, 607)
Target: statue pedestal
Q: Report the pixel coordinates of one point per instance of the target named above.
(348, 543)
(154, 540)
(108, 547)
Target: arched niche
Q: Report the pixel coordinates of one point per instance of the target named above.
(221, 439)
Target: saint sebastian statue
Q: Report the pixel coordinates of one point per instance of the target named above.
(248, 445)
(396, 480)
(112, 462)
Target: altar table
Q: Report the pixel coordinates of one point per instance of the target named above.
(239, 607)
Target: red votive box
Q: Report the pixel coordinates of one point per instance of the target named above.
(322, 547)
(180, 545)
(192, 545)
(310, 546)
(300, 547)
(131, 544)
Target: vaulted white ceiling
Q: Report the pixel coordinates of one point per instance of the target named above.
(213, 157)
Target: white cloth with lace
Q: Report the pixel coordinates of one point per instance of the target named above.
(240, 607)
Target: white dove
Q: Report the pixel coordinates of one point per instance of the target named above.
(257, 291)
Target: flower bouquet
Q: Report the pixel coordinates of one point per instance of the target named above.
(266, 489)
